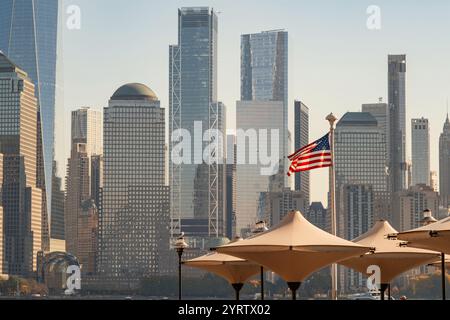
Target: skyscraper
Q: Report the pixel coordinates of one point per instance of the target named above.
(360, 152)
(2, 267)
(252, 118)
(301, 140)
(134, 222)
(410, 204)
(444, 164)
(264, 76)
(22, 199)
(28, 36)
(194, 108)
(420, 151)
(397, 122)
(81, 203)
(87, 124)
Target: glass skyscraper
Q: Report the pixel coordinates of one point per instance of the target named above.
(195, 186)
(397, 121)
(28, 36)
(264, 75)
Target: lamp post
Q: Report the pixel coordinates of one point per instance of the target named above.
(180, 245)
(331, 118)
(427, 220)
(261, 227)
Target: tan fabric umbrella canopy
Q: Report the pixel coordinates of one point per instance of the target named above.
(435, 236)
(438, 263)
(234, 270)
(392, 258)
(294, 249)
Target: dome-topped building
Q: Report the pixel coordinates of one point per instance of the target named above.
(134, 91)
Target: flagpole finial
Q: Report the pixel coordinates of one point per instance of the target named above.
(331, 118)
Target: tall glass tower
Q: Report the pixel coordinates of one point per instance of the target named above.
(195, 186)
(28, 36)
(397, 121)
(264, 75)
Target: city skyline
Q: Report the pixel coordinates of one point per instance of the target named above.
(344, 69)
(180, 129)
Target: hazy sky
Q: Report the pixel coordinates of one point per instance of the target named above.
(335, 62)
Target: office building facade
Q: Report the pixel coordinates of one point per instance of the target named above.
(256, 119)
(444, 164)
(361, 159)
(264, 76)
(134, 220)
(28, 36)
(302, 182)
(397, 122)
(196, 185)
(22, 199)
(420, 151)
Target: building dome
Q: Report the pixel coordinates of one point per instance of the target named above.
(134, 91)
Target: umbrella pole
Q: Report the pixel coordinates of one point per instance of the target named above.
(293, 286)
(237, 289)
(262, 283)
(443, 272)
(383, 288)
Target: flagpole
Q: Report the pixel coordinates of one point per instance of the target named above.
(334, 274)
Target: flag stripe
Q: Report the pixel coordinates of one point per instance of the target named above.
(313, 156)
(315, 167)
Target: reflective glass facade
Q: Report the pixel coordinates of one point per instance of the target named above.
(28, 36)
(196, 186)
(397, 120)
(264, 74)
(255, 115)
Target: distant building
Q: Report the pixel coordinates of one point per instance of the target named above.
(251, 181)
(22, 199)
(83, 183)
(87, 125)
(134, 220)
(231, 186)
(57, 207)
(318, 216)
(420, 151)
(397, 121)
(359, 209)
(434, 181)
(410, 205)
(301, 140)
(264, 77)
(444, 164)
(361, 161)
(197, 189)
(29, 37)
(380, 111)
(2, 267)
(274, 206)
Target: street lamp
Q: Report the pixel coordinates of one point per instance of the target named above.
(180, 245)
(261, 227)
(427, 220)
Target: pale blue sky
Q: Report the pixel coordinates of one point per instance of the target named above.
(336, 63)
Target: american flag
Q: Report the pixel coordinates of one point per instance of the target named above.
(313, 156)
